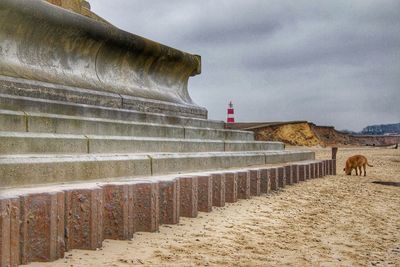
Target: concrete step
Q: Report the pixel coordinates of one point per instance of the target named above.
(88, 213)
(18, 170)
(16, 121)
(77, 95)
(42, 143)
(37, 105)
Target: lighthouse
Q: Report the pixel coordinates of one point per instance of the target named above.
(230, 113)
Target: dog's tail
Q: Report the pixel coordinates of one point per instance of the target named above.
(369, 164)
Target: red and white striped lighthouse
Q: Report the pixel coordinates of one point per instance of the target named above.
(230, 114)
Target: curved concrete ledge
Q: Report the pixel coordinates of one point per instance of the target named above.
(38, 95)
(39, 41)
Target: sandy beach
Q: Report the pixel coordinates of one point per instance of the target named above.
(334, 221)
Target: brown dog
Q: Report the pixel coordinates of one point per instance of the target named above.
(355, 162)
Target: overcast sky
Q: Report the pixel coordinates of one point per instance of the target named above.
(330, 62)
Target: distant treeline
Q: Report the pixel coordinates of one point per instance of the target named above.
(382, 129)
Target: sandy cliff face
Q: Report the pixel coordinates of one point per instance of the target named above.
(303, 133)
(329, 136)
(299, 134)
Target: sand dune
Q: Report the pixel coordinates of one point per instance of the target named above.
(336, 221)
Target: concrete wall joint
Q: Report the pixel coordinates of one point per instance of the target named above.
(87, 144)
(151, 165)
(26, 118)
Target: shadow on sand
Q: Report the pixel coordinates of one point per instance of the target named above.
(387, 183)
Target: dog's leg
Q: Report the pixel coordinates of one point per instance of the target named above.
(365, 170)
(356, 171)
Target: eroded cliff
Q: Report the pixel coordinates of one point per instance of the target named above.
(303, 133)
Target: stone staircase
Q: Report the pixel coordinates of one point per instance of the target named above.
(82, 142)
(72, 176)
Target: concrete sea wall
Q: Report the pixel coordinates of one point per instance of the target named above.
(40, 224)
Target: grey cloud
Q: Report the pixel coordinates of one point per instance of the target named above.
(281, 60)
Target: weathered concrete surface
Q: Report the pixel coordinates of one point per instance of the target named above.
(218, 191)
(114, 144)
(169, 201)
(288, 174)
(302, 172)
(61, 124)
(320, 169)
(84, 210)
(243, 188)
(295, 173)
(65, 48)
(252, 146)
(333, 167)
(312, 171)
(5, 232)
(42, 227)
(19, 170)
(30, 170)
(265, 183)
(34, 93)
(281, 174)
(273, 177)
(282, 156)
(308, 172)
(44, 143)
(146, 208)
(326, 167)
(27, 143)
(231, 187)
(9, 231)
(205, 190)
(217, 134)
(109, 144)
(116, 212)
(186, 162)
(315, 166)
(255, 182)
(188, 196)
(14, 121)
(92, 109)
